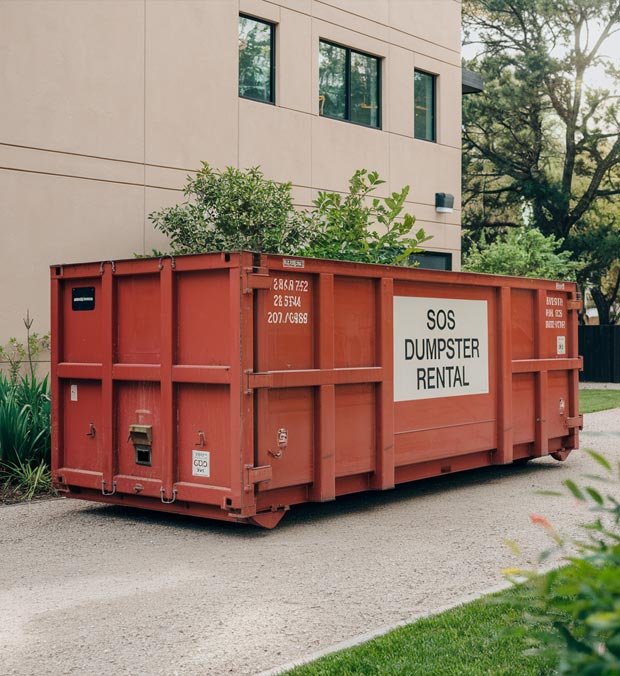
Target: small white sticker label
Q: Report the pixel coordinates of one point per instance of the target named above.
(293, 263)
(74, 393)
(201, 463)
(561, 344)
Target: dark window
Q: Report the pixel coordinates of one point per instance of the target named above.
(433, 260)
(424, 94)
(256, 59)
(349, 85)
(333, 81)
(364, 89)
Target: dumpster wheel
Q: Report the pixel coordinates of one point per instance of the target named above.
(561, 455)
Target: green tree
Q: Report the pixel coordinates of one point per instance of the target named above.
(523, 252)
(596, 243)
(541, 145)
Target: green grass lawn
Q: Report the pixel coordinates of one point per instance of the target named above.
(486, 637)
(591, 401)
(474, 639)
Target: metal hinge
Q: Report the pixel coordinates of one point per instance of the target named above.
(256, 278)
(574, 304)
(256, 475)
(577, 421)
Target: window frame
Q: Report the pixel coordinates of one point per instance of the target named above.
(445, 256)
(347, 85)
(434, 78)
(272, 66)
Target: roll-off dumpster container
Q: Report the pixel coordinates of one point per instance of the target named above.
(232, 386)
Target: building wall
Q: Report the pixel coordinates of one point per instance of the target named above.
(107, 105)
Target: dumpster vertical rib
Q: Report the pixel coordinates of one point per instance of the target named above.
(248, 305)
(240, 456)
(504, 375)
(541, 436)
(166, 394)
(56, 406)
(107, 384)
(385, 470)
(324, 486)
(573, 376)
(260, 396)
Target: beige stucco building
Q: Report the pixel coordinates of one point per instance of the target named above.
(106, 105)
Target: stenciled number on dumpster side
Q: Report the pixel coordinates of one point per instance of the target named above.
(296, 285)
(292, 293)
(554, 313)
(287, 318)
(286, 301)
(555, 322)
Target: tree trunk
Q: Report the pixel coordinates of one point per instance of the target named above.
(602, 305)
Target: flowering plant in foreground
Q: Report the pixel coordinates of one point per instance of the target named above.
(579, 603)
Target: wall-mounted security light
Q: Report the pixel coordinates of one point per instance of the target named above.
(444, 203)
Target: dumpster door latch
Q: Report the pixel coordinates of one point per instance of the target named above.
(141, 438)
(282, 443)
(256, 475)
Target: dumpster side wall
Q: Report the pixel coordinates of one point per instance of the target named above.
(374, 376)
(235, 385)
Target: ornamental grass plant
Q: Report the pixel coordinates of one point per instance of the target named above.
(25, 420)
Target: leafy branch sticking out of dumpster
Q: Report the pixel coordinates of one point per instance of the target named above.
(358, 227)
(237, 209)
(575, 609)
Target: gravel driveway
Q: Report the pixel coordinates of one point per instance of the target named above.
(98, 589)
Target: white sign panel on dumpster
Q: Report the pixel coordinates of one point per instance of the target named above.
(441, 348)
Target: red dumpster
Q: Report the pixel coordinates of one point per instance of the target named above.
(232, 386)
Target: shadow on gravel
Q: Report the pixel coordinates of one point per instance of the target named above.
(145, 518)
(313, 514)
(448, 484)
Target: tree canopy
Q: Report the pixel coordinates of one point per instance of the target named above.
(525, 252)
(541, 144)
